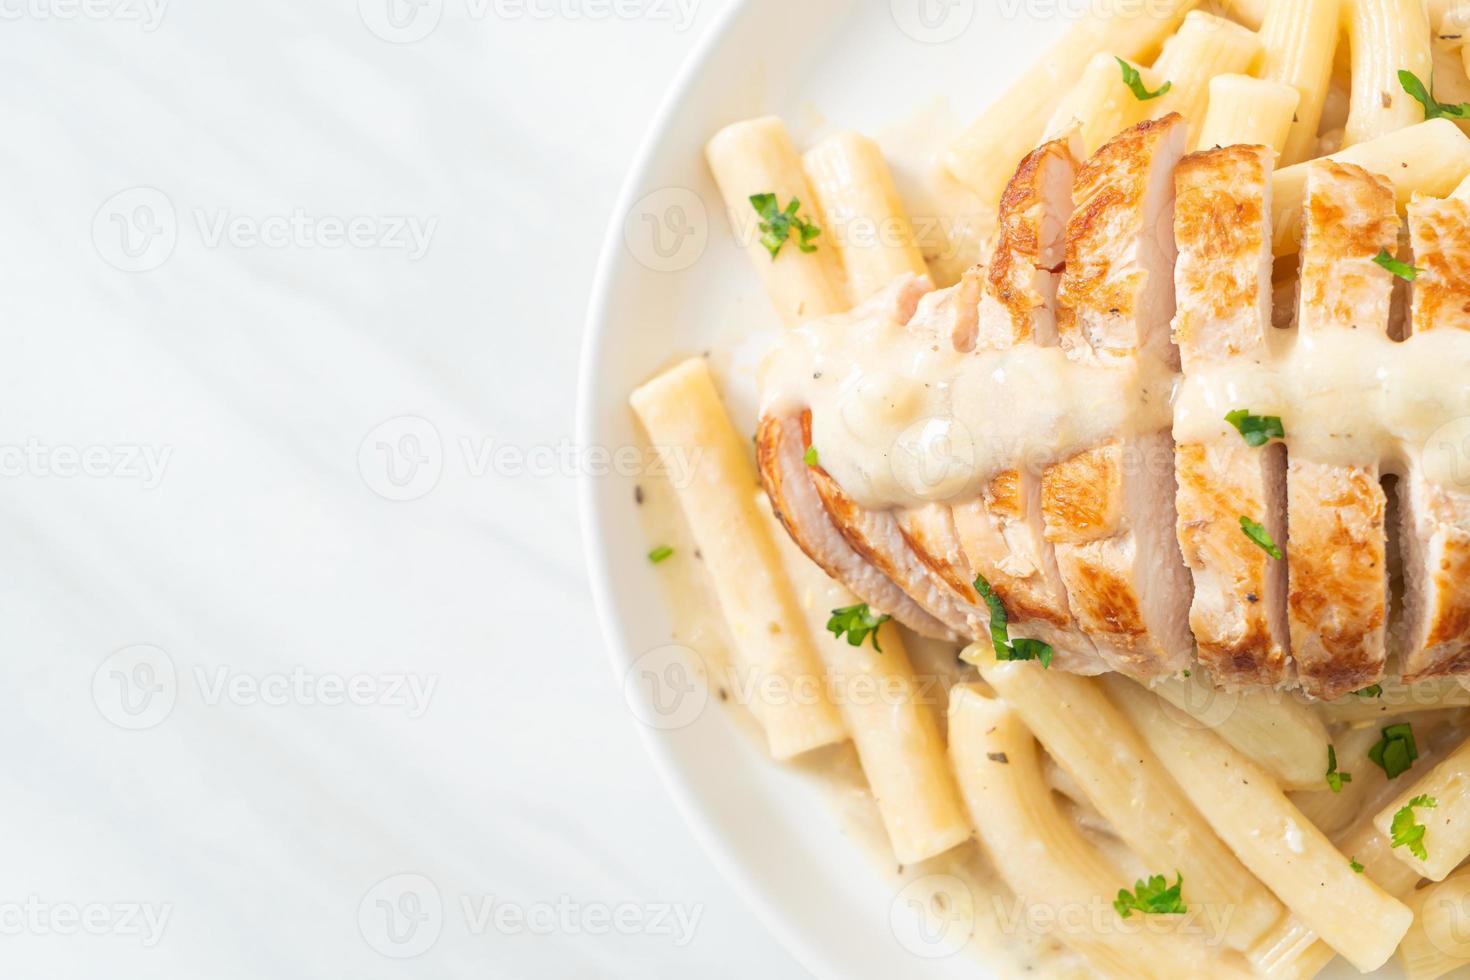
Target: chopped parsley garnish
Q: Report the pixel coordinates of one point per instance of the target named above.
(1395, 751)
(1134, 80)
(1433, 108)
(1257, 533)
(776, 225)
(1000, 634)
(1335, 779)
(1353, 863)
(1403, 270)
(1371, 691)
(857, 622)
(660, 553)
(811, 456)
(1256, 430)
(1407, 831)
(1153, 897)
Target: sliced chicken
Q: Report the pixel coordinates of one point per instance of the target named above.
(1222, 224)
(781, 445)
(1436, 529)
(1003, 531)
(1338, 603)
(1110, 510)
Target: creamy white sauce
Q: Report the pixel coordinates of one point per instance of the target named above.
(899, 418)
(1347, 397)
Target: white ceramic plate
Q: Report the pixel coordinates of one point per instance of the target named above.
(673, 283)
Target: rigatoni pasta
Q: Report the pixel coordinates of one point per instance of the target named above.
(1300, 39)
(681, 412)
(1205, 46)
(985, 155)
(886, 709)
(1270, 835)
(1249, 110)
(865, 221)
(1385, 37)
(756, 158)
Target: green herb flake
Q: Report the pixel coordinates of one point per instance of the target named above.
(1133, 78)
(1335, 779)
(1257, 533)
(857, 623)
(1153, 897)
(1256, 430)
(661, 553)
(1403, 270)
(1433, 108)
(811, 456)
(1407, 831)
(1372, 691)
(1353, 863)
(1395, 751)
(1000, 634)
(776, 225)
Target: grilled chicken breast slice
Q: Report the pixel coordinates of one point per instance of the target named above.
(1338, 599)
(1002, 532)
(1110, 510)
(1222, 226)
(781, 444)
(1436, 530)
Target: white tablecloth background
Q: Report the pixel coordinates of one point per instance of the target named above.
(224, 351)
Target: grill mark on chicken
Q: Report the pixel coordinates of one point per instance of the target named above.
(1338, 600)
(780, 447)
(1003, 533)
(1110, 510)
(1436, 531)
(1090, 553)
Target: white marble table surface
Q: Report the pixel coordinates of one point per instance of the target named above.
(298, 641)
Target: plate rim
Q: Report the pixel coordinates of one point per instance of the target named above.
(594, 551)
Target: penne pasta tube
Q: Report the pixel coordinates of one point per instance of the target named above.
(1333, 812)
(1370, 849)
(1300, 38)
(1429, 159)
(1439, 940)
(1397, 698)
(1048, 863)
(1279, 733)
(1251, 13)
(865, 220)
(1446, 838)
(985, 156)
(1123, 780)
(1385, 37)
(1205, 46)
(1101, 105)
(756, 157)
(1270, 836)
(681, 412)
(885, 709)
(1250, 111)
